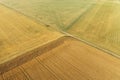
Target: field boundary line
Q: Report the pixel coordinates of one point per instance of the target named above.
(30, 54)
(79, 17)
(93, 45)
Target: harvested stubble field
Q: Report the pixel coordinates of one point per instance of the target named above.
(71, 60)
(19, 34)
(24, 36)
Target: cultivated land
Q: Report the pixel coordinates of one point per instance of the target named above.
(23, 38)
(19, 35)
(95, 21)
(100, 26)
(71, 60)
(56, 13)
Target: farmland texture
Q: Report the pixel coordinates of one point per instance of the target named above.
(95, 21)
(64, 32)
(19, 34)
(71, 60)
(100, 26)
(56, 13)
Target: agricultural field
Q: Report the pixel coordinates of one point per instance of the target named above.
(95, 21)
(100, 26)
(19, 34)
(59, 39)
(56, 13)
(76, 62)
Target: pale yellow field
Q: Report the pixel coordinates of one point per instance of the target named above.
(71, 60)
(19, 34)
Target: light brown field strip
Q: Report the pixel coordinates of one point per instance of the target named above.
(19, 35)
(72, 60)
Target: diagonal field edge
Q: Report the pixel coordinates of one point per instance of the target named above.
(87, 42)
(67, 34)
(15, 63)
(79, 17)
(4, 67)
(95, 46)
